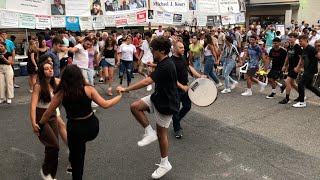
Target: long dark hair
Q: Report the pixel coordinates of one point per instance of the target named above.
(208, 41)
(45, 94)
(72, 82)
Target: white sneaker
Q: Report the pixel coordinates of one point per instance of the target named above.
(93, 104)
(149, 87)
(45, 177)
(219, 85)
(148, 139)
(1, 101)
(233, 85)
(247, 93)
(9, 101)
(300, 104)
(226, 91)
(161, 170)
(263, 86)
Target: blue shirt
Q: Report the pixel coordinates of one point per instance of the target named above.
(56, 62)
(10, 46)
(255, 54)
(270, 37)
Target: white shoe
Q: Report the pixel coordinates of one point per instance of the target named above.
(149, 88)
(161, 170)
(93, 104)
(45, 177)
(263, 86)
(300, 104)
(219, 85)
(1, 101)
(226, 91)
(247, 93)
(148, 139)
(9, 101)
(233, 85)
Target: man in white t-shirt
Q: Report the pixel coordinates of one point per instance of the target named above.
(160, 31)
(146, 58)
(314, 37)
(81, 56)
(64, 60)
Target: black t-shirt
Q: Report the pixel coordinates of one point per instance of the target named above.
(181, 68)
(120, 41)
(166, 90)
(293, 56)
(309, 59)
(6, 55)
(278, 57)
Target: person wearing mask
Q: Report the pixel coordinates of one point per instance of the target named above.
(6, 75)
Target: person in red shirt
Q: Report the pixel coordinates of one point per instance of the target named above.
(137, 43)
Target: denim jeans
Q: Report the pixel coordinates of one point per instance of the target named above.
(125, 66)
(228, 65)
(196, 63)
(90, 76)
(183, 98)
(306, 82)
(208, 68)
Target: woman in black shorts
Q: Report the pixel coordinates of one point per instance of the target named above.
(32, 65)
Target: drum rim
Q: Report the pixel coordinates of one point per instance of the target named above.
(203, 105)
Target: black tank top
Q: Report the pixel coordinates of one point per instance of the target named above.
(42, 53)
(77, 107)
(108, 53)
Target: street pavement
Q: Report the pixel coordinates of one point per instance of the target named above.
(236, 138)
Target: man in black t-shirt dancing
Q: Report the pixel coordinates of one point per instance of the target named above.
(163, 102)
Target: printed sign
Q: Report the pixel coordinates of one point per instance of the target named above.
(43, 22)
(58, 21)
(27, 21)
(170, 5)
(72, 23)
(9, 19)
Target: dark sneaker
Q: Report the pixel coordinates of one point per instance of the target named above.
(282, 88)
(178, 134)
(271, 96)
(285, 101)
(120, 81)
(296, 100)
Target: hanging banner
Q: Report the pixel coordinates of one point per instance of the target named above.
(159, 17)
(240, 18)
(77, 8)
(30, 6)
(98, 22)
(142, 17)
(43, 22)
(27, 21)
(85, 23)
(167, 18)
(177, 18)
(232, 19)
(9, 19)
(132, 18)
(170, 5)
(58, 21)
(228, 6)
(58, 7)
(121, 20)
(109, 21)
(121, 6)
(3, 4)
(210, 6)
(202, 21)
(72, 23)
(225, 20)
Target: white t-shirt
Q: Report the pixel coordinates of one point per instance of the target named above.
(147, 55)
(81, 57)
(313, 40)
(158, 33)
(66, 43)
(127, 52)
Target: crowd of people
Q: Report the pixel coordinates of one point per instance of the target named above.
(62, 68)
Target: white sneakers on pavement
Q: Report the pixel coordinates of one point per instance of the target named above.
(218, 85)
(161, 170)
(262, 86)
(300, 105)
(9, 101)
(148, 139)
(45, 177)
(247, 92)
(233, 85)
(149, 87)
(226, 91)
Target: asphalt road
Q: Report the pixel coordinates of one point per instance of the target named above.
(236, 138)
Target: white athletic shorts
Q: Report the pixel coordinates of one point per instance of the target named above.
(161, 120)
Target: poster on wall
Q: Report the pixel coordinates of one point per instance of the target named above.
(167, 18)
(225, 20)
(114, 6)
(202, 21)
(242, 5)
(158, 17)
(170, 5)
(131, 18)
(240, 18)
(209, 6)
(77, 8)
(177, 18)
(109, 20)
(192, 5)
(9, 19)
(43, 22)
(228, 6)
(142, 17)
(98, 22)
(58, 7)
(27, 21)
(121, 20)
(72, 23)
(280, 27)
(58, 21)
(40, 7)
(85, 23)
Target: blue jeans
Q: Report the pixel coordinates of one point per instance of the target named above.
(208, 68)
(183, 98)
(196, 63)
(125, 66)
(90, 76)
(228, 65)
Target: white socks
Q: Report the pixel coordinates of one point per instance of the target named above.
(274, 91)
(148, 130)
(164, 161)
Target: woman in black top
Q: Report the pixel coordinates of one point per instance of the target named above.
(82, 126)
(43, 47)
(6, 75)
(32, 66)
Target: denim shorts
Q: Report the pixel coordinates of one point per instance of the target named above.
(104, 63)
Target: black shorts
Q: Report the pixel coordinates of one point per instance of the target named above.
(134, 58)
(292, 74)
(63, 62)
(252, 72)
(274, 74)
